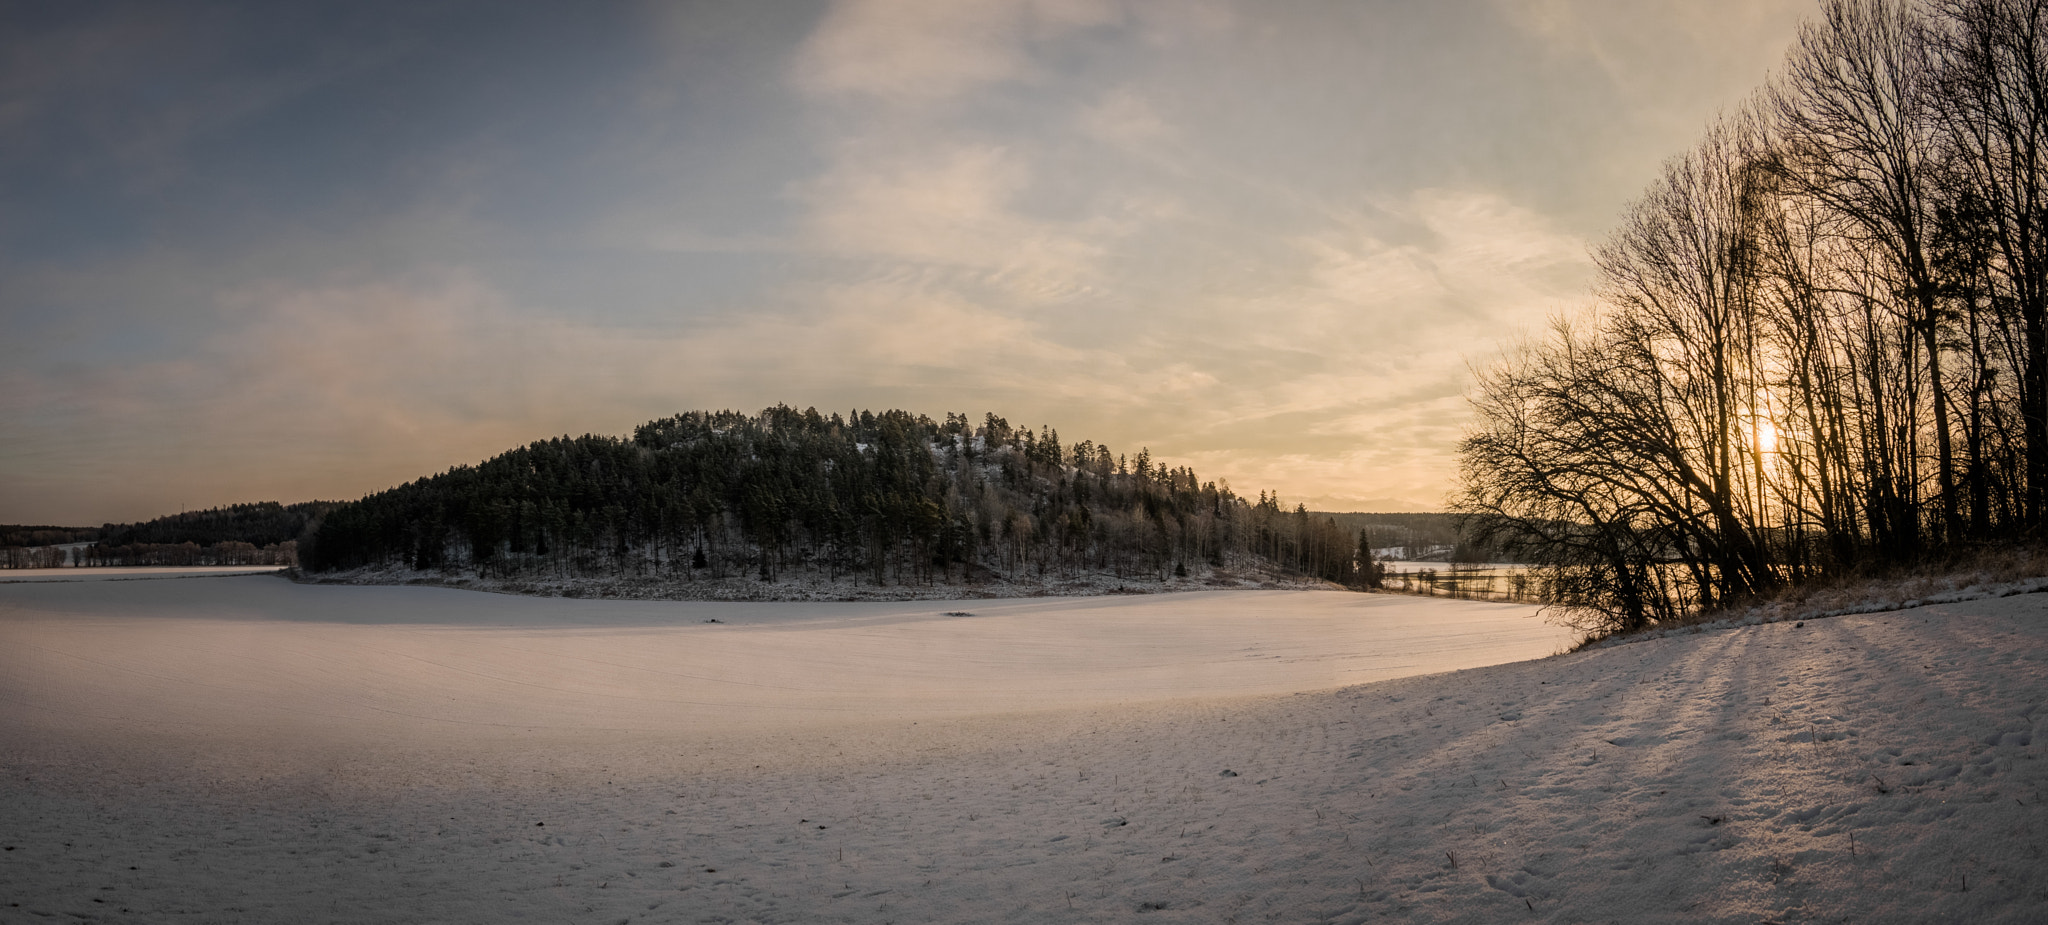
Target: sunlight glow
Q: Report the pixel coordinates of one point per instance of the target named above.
(1765, 434)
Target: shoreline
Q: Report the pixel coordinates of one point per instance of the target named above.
(809, 589)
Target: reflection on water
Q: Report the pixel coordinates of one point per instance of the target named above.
(1481, 581)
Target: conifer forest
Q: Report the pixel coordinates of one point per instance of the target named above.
(890, 498)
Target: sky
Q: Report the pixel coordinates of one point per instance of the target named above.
(285, 251)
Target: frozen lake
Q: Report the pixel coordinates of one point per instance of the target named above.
(258, 655)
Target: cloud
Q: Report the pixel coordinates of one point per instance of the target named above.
(1398, 292)
(1473, 256)
(1657, 54)
(924, 52)
(1125, 119)
(952, 206)
(1623, 33)
(1387, 304)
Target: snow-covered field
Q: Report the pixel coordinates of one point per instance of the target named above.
(246, 749)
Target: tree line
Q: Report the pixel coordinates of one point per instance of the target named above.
(1818, 341)
(265, 523)
(881, 498)
(26, 535)
(1417, 535)
(187, 553)
(39, 546)
(261, 533)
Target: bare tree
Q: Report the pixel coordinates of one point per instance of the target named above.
(1856, 111)
(1994, 82)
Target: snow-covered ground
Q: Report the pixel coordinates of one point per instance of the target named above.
(246, 749)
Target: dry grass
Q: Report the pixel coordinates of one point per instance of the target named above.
(1980, 573)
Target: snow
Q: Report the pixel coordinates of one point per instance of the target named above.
(247, 749)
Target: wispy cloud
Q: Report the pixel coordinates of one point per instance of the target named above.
(1389, 303)
(926, 52)
(946, 205)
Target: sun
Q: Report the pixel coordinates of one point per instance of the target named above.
(1765, 434)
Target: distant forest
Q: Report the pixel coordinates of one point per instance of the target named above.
(1820, 342)
(25, 535)
(264, 533)
(1421, 535)
(888, 498)
(29, 546)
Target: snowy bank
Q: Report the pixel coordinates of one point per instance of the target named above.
(1245, 573)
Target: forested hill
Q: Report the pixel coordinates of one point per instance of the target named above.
(883, 499)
